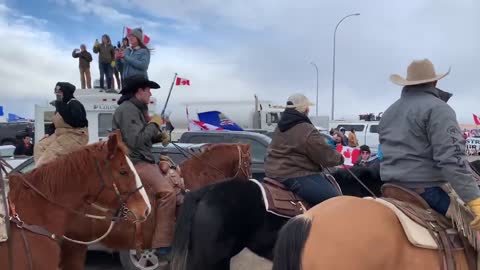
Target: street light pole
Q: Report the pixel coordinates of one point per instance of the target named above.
(333, 71)
(316, 104)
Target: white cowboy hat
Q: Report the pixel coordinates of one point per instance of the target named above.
(418, 72)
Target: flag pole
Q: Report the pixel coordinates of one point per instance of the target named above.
(168, 97)
(123, 34)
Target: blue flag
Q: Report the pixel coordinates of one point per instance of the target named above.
(1, 110)
(14, 118)
(218, 119)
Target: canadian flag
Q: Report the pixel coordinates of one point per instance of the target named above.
(146, 39)
(350, 154)
(182, 81)
(476, 119)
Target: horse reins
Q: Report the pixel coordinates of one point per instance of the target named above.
(357, 179)
(120, 212)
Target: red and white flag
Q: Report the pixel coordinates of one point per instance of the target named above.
(182, 81)
(146, 39)
(476, 119)
(350, 154)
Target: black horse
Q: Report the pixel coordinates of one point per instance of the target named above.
(219, 220)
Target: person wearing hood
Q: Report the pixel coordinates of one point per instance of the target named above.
(423, 147)
(139, 132)
(298, 153)
(71, 126)
(136, 58)
(106, 56)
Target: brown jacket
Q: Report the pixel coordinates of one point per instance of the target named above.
(84, 58)
(299, 151)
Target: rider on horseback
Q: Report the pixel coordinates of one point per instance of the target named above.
(423, 147)
(298, 153)
(139, 132)
(70, 126)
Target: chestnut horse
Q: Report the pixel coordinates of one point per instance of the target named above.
(352, 233)
(43, 200)
(216, 163)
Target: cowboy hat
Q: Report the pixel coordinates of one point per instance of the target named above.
(418, 72)
(135, 82)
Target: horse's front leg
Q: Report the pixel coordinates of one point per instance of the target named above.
(73, 256)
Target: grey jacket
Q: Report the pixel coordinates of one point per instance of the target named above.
(137, 133)
(422, 143)
(135, 61)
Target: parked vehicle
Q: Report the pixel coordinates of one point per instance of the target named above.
(10, 131)
(366, 131)
(100, 107)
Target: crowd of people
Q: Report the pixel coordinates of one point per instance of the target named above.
(115, 63)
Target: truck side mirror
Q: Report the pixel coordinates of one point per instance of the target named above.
(269, 119)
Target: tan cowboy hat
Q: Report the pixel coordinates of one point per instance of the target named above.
(418, 72)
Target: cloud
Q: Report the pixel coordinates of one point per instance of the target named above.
(265, 47)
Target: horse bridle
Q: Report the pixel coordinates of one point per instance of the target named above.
(120, 213)
(243, 164)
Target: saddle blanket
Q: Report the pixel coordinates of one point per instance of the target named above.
(416, 234)
(274, 209)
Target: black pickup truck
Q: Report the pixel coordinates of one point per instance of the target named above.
(10, 131)
(258, 142)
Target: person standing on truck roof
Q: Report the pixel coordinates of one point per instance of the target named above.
(136, 58)
(84, 59)
(298, 153)
(105, 59)
(140, 132)
(71, 126)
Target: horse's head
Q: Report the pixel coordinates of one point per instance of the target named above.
(233, 159)
(119, 186)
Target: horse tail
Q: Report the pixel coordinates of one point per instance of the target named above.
(290, 242)
(183, 226)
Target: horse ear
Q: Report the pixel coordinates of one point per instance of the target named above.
(113, 140)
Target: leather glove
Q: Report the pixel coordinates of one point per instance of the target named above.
(165, 139)
(157, 120)
(113, 64)
(475, 207)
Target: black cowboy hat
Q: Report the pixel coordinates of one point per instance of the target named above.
(135, 82)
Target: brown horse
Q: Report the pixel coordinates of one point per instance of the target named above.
(43, 201)
(217, 162)
(351, 233)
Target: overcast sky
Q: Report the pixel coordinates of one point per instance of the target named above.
(234, 49)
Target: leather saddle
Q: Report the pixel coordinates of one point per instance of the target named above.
(174, 174)
(440, 228)
(283, 202)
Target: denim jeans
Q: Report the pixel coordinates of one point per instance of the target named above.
(437, 198)
(312, 188)
(105, 70)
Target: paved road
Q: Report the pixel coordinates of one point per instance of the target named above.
(246, 260)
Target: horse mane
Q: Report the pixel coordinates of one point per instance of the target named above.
(51, 177)
(208, 150)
